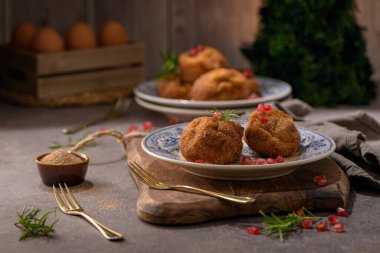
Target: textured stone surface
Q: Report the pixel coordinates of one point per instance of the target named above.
(110, 196)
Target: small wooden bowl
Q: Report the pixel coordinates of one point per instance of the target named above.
(71, 174)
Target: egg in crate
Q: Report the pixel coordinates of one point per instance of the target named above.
(113, 33)
(80, 36)
(47, 40)
(23, 34)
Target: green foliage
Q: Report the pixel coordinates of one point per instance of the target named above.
(170, 66)
(317, 47)
(225, 115)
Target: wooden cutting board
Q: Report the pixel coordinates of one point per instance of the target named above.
(286, 193)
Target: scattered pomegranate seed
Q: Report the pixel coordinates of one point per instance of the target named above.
(341, 212)
(318, 178)
(247, 73)
(253, 96)
(338, 228)
(200, 161)
(200, 48)
(306, 224)
(132, 128)
(246, 160)
(254, 230)
(333, 219)
(102, 129)
(217, 115)
(260, 107)
(263, 119)
(271, 161)
(147, 125)
(322, 226)
(267, 108)
(261, 161)
(300, 212)
(322, 182)
(280, 159)
(172, 121)
(193, 52)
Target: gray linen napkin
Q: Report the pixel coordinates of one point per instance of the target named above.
(352, 134)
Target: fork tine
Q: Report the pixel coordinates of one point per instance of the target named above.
(144, 175)
(141, 177)
(59, 200)
(65, 197)
(147, 174)
(72, 198)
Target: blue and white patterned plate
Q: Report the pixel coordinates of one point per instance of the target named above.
(163, 144)
(271, 90)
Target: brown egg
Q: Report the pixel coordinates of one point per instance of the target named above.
(47, 40)
(80, 36)
(112, 33)
(23, 34)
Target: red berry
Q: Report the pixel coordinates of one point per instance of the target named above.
(322, 226)
(200, 161)
(200, 48)
(246, 160)
(132, 128)
(300, 212)
(341, 212)
(280, 159)
(217, 115)
(261, 161)
(322, 182)
(271, 160)
(306, 224)
(254, 230)
(247, 73)
(263, 119)
(260, 107)
(333, 219)
(318, 178)
(339, 228)
(147, 125)
(267, 108)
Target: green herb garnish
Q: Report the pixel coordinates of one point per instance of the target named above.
(71, 142)
(33, 225)
(281, 226)
(223, 115)
(170, 66)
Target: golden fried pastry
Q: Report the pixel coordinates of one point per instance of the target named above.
(221, 84)
(212, 141)
(252, 82)
(271, 132)
(172, 87)
(198, 61)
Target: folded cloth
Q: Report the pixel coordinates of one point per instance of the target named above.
(351, 133)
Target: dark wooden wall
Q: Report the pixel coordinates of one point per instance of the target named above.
(171, 25)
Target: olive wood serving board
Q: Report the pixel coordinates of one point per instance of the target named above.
(286, 193)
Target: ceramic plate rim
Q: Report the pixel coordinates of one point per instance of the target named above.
(206, 104)
(238, 167)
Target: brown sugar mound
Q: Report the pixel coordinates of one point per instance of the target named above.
(60, 157)
(277, 135)
(211, 140)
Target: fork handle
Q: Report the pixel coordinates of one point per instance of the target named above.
(239, 199)
(83, 125)
(108, 233)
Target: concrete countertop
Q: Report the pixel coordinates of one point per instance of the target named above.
(109, 194)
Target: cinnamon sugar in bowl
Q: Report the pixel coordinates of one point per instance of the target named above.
(62, 166)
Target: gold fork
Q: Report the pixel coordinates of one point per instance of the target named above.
(72, 207)
(153, 182)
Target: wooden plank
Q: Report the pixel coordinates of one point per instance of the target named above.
(60, 86)
(5, 26)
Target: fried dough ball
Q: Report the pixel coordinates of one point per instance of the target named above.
(252, 82)
(172, 87)
(221, 84)
(198, 61)
(271, 132)
(211, 140)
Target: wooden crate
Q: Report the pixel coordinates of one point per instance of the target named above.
(71, 75)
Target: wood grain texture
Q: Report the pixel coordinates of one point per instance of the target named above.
(285, 193)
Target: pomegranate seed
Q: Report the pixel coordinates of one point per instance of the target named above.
(341, 212)
(333, 219)
(102, 129)
(193, 52)
(263, 119)
(267, 108)
(322, 182)
(247, 73)
(338, 228)
(172, 121)
(147, 125)
(246, 160)
(300, 212)
(254, 230)
(306, 224)
(217, 115)
(200, 161)
(254, 162)
(271, 161)
(261, 161)
(322, 226)
(318, 178)
(253, 96)
(200, 48)
(260, 107)
(132, 128)
(280, 159)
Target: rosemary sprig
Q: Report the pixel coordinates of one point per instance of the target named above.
(170, 66)
(281, 226)
(33, 225)
(225, 115)
(71, 142)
